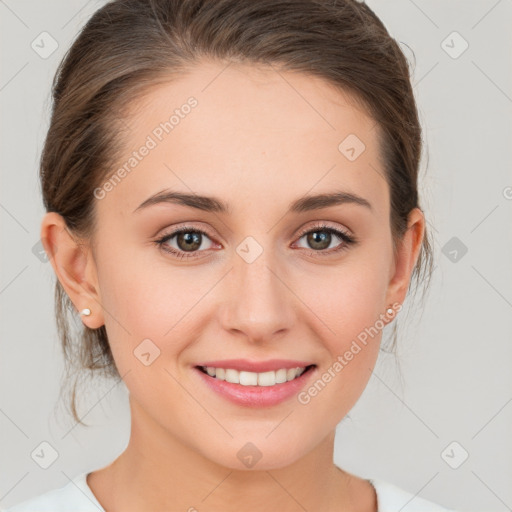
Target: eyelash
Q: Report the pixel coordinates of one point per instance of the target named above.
(348, 240)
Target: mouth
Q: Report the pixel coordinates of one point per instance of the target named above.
(255, 389)
(255, 379)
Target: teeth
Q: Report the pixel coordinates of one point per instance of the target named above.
(232, 376)
(244, 378)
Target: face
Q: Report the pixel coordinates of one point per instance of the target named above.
(272, 276)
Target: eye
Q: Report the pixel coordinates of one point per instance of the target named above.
(320, 238)
(188, 240)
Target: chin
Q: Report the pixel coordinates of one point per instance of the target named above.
(258, 453)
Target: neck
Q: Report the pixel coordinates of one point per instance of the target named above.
(158, 472)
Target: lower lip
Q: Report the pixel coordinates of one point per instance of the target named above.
(257, 396)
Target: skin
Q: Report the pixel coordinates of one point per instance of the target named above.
(258, 140)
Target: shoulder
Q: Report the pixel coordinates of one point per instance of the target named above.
(75, 495)
(391, 498)
(78, 495)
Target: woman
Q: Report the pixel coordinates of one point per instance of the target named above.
(232, 209)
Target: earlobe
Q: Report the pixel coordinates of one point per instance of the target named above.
(74, 267)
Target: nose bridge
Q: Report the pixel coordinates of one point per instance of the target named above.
(259, 305)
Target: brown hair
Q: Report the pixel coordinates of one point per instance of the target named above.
(128, 46)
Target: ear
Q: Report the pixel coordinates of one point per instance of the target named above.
(74, 266)
(407, 254)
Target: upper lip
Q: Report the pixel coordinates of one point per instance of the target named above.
(256, 366)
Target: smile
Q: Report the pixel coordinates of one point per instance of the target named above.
(255, 389)
(245, 378)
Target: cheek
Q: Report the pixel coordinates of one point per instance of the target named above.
(349, 299)
(351, 345)
(350, 304)
(146, 298)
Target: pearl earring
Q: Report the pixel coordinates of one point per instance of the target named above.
(389, 311)
(85, 312)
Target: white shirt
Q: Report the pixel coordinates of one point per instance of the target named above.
(77, 496)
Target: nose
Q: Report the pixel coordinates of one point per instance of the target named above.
(259, 304)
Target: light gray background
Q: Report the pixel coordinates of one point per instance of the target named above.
(455, 360)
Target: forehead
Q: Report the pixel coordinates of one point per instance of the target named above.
(252, 133)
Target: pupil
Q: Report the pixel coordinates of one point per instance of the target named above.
(193, 239)
(319, 239)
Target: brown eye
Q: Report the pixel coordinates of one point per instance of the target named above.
(189, 240)
(188, 243)
(319, 239)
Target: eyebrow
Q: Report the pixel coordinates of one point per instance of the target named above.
(213, 204)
